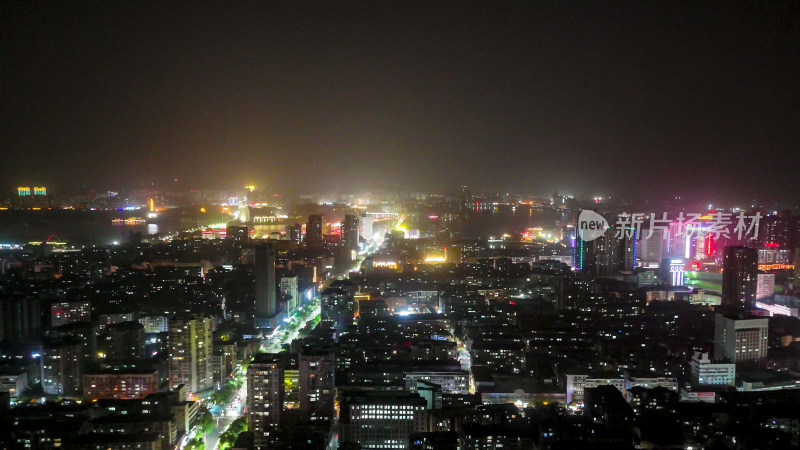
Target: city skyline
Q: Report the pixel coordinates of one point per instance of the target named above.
(275, 325)
(405, 225)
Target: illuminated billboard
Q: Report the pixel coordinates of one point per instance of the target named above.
(676, 271)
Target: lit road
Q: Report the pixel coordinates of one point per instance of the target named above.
(273, 343)
(231, 411)
(464, 358)
(226, 415)
(371, 247)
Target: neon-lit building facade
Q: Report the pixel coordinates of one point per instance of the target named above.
(26, 191)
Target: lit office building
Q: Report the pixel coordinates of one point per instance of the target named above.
(705, 371)
(741, 341)
(381, 419)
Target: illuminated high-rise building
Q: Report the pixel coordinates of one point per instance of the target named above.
(765, 285)
(773, 255)
(739, 276)
(295, 233)
(598, 257)
(677, 242)
(265, 391)
(62, 367)
(628, 249)
(464, 199)
(365, 226)
(350, 232)
(266, 306)
(316, 382)
(123, 342)
(289, 289)
(774, 231)
(314, 231)
(190, 346)
(337, 306)
(650, 249)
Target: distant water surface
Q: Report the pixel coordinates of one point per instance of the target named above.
(495, 221)
(77, 227)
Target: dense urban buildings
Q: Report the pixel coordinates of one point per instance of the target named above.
(399, 225)
(438, 331)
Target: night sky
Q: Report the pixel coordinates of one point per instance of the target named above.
(583, 97)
